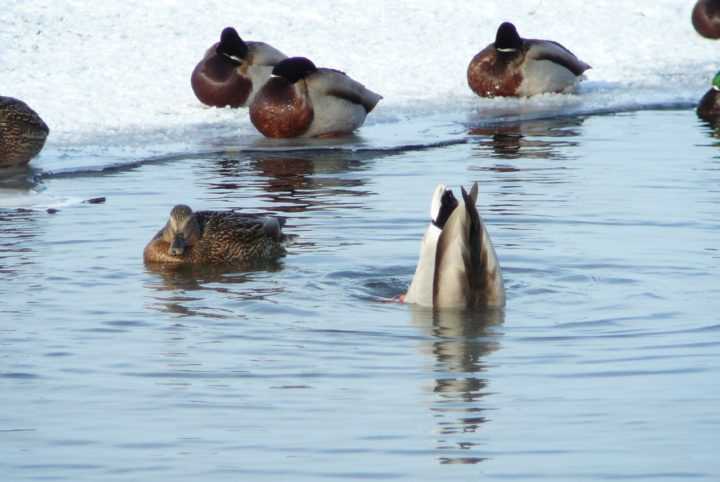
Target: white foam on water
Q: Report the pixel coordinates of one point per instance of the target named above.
(106, 71)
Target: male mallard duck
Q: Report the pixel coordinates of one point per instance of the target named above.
(214, 237)
(709, 107)
(303, 100)
(232, 70)
(513, 66)
(457, 267)
(706, 18)
(22, 132)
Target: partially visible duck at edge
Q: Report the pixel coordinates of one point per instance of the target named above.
(302, 100)
(709, 107)
(457, 267)
(514, 66)
(706, 18)
(232, 70)
(22, 133)
(215, 237)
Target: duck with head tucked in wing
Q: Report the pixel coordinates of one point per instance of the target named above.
(22, 132)
(232, 70)
(302, 100)
(457, 267)
(215, 237)
(516, 67)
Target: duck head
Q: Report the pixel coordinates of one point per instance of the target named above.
(716, 82)
(293, 69)
(182, 230)
(231, 47)
(507, 39)
(442, 205)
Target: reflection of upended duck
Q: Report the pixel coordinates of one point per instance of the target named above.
(457, 267)
(22, 132)
(709, 107)
(232, 70)
(215, 237)
(706, 18)
(303, 100)
(513, 66)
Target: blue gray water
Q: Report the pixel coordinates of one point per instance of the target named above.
(604, 366)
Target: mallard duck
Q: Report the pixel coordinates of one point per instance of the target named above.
(709, 107)
(457, 267)
(22, 132)
(215, 237)
(706, 18)
(303, 100)
(232, 70)
(513, 66)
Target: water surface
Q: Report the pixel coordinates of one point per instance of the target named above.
(603, 366)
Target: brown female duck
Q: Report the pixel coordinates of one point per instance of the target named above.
(22, 132)
(215, 237)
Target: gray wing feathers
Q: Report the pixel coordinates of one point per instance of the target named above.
(555, 52)
(338, 84)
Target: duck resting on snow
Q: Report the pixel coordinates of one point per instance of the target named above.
(215, 237)
(706, 18)
(514, 66)
(22, 132)
(232, 70)
(302, 100)
(458, 267)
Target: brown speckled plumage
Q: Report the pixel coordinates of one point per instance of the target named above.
(22, 132)
(219, 237)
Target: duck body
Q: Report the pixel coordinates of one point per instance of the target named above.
(215, 237)
(232, 71)
(709, 107)
(517, 67)
(458, 267)
(301, 100)
(706, 18)
(22, 132)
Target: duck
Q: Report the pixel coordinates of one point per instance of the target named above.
(709, 107)
(232, 70)
(215, 237)
(457, 266)
(22, 132)
(516, 67)
(706, 18)
(302, 100)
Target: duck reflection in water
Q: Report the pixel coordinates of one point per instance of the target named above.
(298, 183)
(459, 343)
(171, 283)
(536, 139)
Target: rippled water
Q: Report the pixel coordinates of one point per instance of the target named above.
(604, 366)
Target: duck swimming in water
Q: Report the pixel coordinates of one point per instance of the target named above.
(709, 107)
(215, 237)
(302, 100)
(232, 70)
(22, 132)
(458, 267)
(514, 66)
